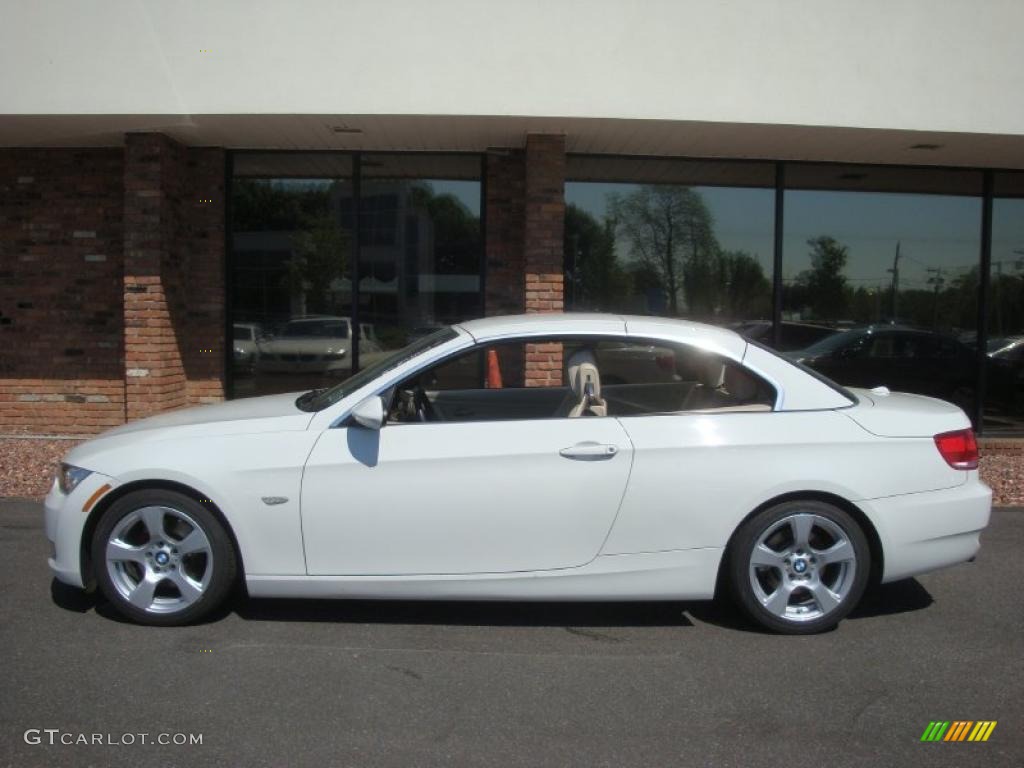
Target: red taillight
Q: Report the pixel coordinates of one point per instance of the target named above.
(959, 449)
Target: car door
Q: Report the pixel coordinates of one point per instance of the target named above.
(460, 497)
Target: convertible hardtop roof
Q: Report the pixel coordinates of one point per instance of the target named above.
(599, 322)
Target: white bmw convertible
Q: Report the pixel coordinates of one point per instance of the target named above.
(540, 457)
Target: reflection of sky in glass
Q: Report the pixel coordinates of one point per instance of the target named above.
(467, 192)
(744, 218)
(938, 232)
(934, 231)
(1007, 236)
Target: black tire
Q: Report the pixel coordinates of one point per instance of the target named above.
(218, 576)
(851, 581)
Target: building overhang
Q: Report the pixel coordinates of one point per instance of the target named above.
(451, 133)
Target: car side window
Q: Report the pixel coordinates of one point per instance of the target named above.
(882, 345)
(577, 378)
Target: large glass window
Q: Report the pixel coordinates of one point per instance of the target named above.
(422, 247)
(670, 237)
(895, 273)
(1004, 401)
(305, 308)
(291, 263)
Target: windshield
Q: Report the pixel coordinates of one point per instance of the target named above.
(243, 333)
(830, 344)
(322, 329)
(317, 400)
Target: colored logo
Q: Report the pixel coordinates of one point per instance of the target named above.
(958, 730)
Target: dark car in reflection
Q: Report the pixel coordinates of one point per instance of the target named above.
(792, 335)
(902, 359)
(1006, 375)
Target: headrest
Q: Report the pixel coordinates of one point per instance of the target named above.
(710, 372)
(582, 368)
(740, 384)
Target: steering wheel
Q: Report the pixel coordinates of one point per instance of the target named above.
(424, 408)
(414, 405)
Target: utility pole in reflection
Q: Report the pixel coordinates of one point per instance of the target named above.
(937, 281)
(895, 283)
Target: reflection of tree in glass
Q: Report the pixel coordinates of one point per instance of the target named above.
(597, 280)
(744, 291)
(319, 257)
(671, 236)
(669, 230)
(260, 205)
(824, 284)
(456, 230)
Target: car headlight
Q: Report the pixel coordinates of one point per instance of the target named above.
(69, 477)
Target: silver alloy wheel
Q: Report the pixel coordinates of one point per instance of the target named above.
(159, 559)
(802, 567)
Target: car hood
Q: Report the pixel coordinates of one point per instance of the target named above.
(253, 414)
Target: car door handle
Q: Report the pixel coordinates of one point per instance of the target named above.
(589, 451)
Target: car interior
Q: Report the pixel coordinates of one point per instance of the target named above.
(576, 379)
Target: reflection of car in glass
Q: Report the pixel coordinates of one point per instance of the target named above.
(904, 359)
(489, 460)
(1006, 347)
(311, 344)
(793, 335)
(1006, 374)
(245, 337)
(368, 341)
(421, 331)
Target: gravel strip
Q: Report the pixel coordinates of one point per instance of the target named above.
(27, 467)
(1004, 473)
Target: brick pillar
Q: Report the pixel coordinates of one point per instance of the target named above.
(504, 293)
(154, 373)
(173, 261)
(202, 254)
(543, 260)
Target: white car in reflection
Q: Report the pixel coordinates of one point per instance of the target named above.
(318, 344)
(488, 460)
(245, 341)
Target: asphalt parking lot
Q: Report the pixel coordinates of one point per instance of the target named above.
(341, 683)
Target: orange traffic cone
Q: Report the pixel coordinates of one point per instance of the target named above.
(493, 370)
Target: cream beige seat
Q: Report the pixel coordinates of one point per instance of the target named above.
(707, 393)
(584, 386)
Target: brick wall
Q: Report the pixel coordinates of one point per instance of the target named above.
(202, 249)
(174, 288)
(505, 216)
(61, 259)
(543, 259)
(111, 284)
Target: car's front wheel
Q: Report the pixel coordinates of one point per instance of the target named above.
(799, 567)
(162, 558)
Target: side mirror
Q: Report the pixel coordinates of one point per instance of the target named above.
(370, 413)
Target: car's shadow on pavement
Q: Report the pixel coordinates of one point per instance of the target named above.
(466, 613)
(899, 597)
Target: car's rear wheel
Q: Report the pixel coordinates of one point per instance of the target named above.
(162, 558)
(799, 567)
